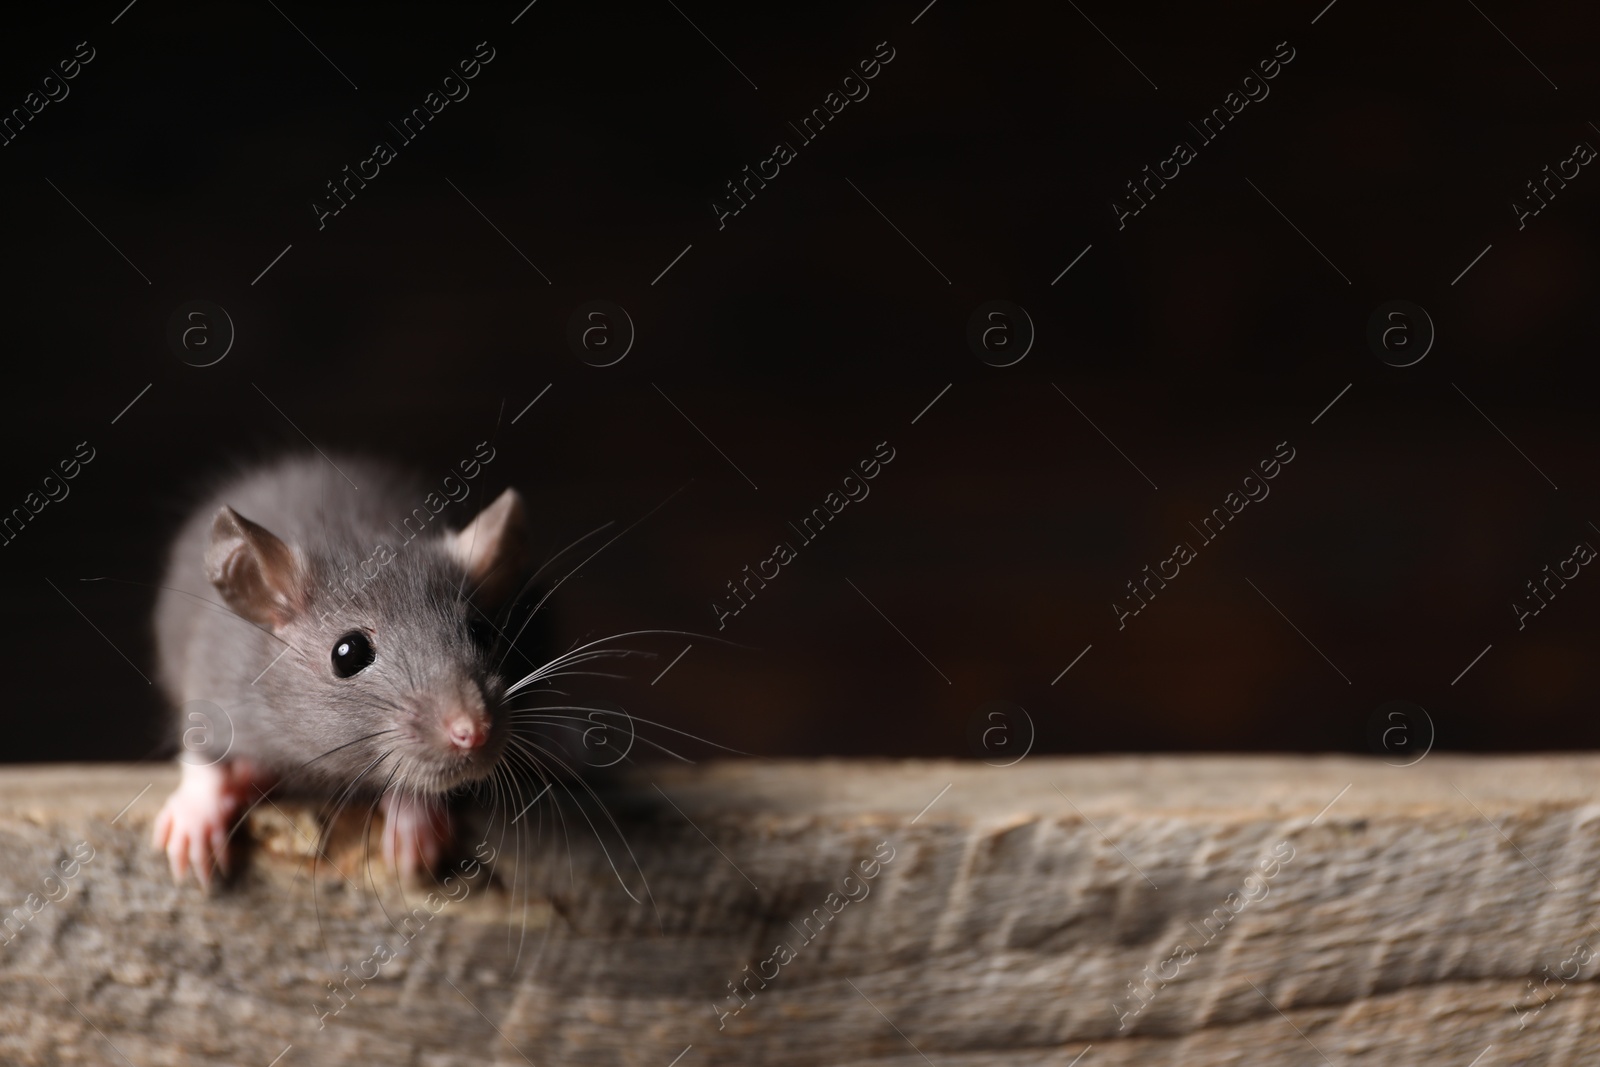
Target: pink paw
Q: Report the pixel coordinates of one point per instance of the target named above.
(193, 825)
(415, 834)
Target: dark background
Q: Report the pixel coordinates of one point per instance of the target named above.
(808, 330)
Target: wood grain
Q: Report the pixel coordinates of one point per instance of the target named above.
(1429, 913)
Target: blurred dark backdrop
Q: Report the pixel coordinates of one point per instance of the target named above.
(822, 320)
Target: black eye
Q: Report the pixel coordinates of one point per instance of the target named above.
(352, 654)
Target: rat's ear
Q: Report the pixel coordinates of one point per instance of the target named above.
(256, 573)
(493, 549)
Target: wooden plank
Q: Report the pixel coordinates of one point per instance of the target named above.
(1267, 910)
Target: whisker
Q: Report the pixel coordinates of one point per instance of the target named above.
(239, 822)
(212, 605)
(325, 837)
(366, 845)
(519, 712)
(516, 875)
(609, 818)
(527, 895)
(637, 737)
(542, 772)
(570, 657)
(534, 577)
(586, 559)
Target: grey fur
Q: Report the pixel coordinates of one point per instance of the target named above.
(300, 709)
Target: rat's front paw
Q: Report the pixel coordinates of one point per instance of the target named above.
(193, 825)
(415, 834)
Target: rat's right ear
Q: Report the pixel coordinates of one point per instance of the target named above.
(494, 549)
(256, 573)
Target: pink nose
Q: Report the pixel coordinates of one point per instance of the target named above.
(467, 732)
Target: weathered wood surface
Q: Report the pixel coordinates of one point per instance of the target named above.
(1421, 919)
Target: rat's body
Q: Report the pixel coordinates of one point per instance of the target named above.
(340, 633)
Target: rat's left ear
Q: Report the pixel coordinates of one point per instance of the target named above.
(257, 574)
(494, 549)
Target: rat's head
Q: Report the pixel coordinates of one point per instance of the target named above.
(392, 643)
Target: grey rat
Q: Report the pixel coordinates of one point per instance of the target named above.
(341, 667)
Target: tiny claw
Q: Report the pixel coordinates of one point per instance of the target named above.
(219, 849)
(199, 861)
(193, 825)
(177, 859)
